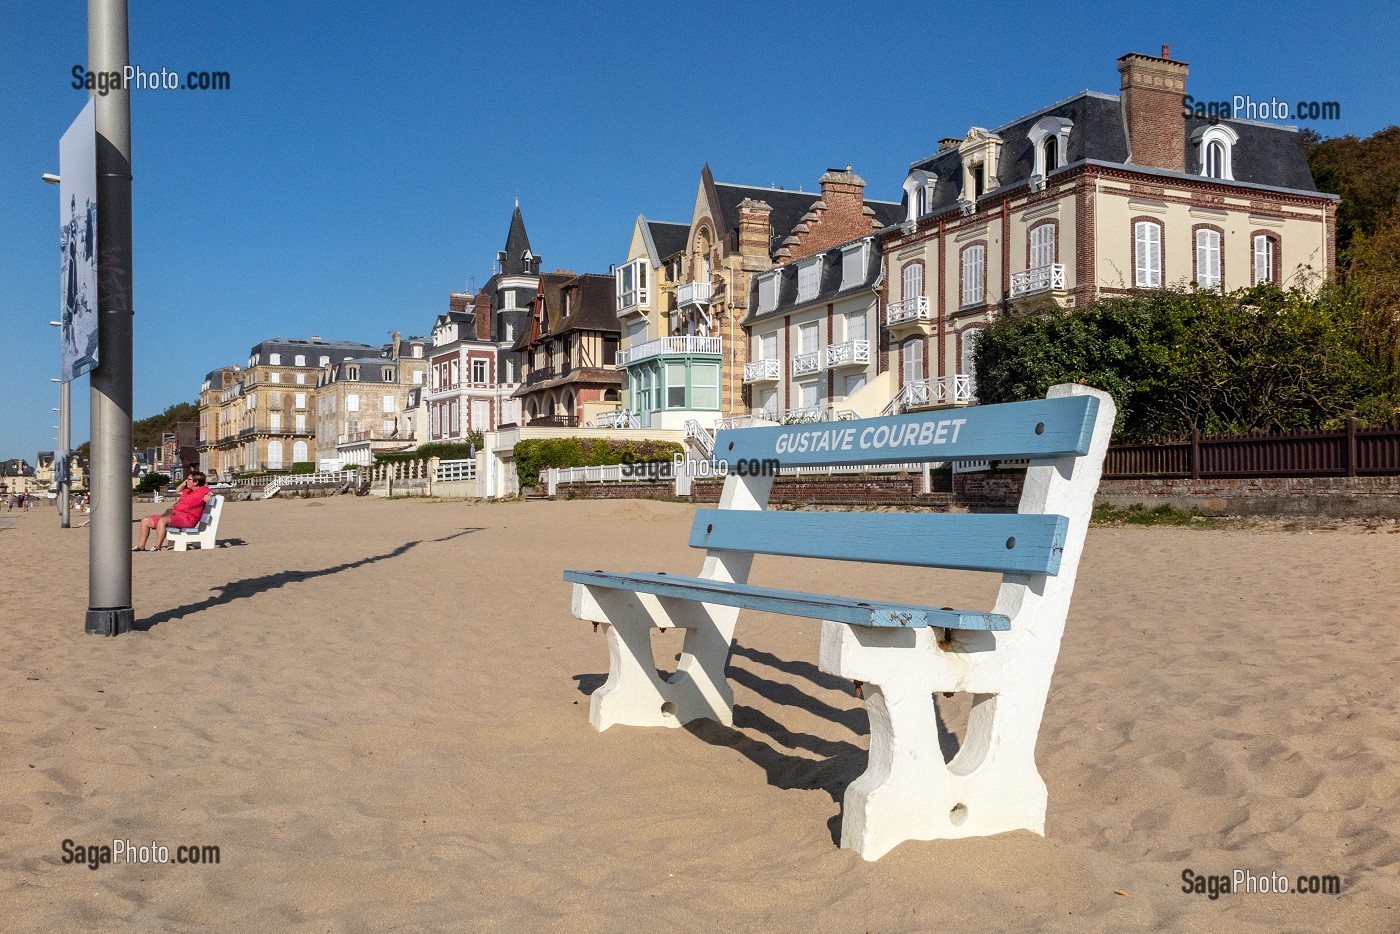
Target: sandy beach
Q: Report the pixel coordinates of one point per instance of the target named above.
(378, 711)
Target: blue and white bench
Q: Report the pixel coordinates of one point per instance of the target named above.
(903, 653)
(204, 534)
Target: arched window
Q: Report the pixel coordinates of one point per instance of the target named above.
(913, 281)
(1147, 254)
(1215, 151)
(1265, 250)
(1049, 138)
(1215, 159)
(299, 453)
(913, 353)
(1208, 267)
(274, 455)
(974, 270)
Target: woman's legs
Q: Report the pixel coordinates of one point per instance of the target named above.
(147, 524)
(161, 526)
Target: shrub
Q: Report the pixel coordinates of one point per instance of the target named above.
(534, 454)
(446, 450)
(152, 482)
(1260, 359)
(304, 467)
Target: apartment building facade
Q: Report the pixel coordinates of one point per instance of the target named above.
(570, 351)
(465, 391)
(1095, 195)
(696, 370)
(813, 329)
(361, 403)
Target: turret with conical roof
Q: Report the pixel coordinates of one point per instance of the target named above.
(517, 259)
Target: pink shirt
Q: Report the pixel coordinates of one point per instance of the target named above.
(191, 503)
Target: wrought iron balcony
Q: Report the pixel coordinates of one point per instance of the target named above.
(1049, 278)
(762, 371)
(805, 363)
(693, 293)
(907, 311)
(849, 353)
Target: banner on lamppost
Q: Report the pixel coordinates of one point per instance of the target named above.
(77, 190)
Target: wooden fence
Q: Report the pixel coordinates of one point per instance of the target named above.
(1350, 452)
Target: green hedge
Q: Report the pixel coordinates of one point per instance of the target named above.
(534, 454)
(1256, 360)
(304, 467)
(444, 450)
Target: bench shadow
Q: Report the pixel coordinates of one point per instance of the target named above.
(230, 543)
(252, 586)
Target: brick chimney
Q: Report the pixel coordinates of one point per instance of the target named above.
(481, 312)
(1152, 92)
(397, 340)
(753, 227)
(839, 215)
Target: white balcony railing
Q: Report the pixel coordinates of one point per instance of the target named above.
(1049, 278)
(693, 293)
(910, 309)
(849, 353)
(941, 390)
(682, 344)
(805, 363)
(762, 371)
(621, 418)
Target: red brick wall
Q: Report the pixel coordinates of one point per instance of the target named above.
(1153, 90)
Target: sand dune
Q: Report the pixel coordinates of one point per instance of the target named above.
(377, 711)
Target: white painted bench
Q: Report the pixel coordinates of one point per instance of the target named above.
(203, 534)
(903, 653)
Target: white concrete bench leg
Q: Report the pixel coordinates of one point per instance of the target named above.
(635, 694)
(909, 792)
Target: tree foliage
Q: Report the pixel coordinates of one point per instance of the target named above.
(152, 482)
(1260, 359)
(534, 454)
(146, 432)
(1365, 172)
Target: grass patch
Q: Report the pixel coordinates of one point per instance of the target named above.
(1138, 514)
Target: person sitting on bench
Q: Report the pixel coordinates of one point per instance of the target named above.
(185, 514)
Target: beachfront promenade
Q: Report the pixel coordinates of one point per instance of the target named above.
(377, 710)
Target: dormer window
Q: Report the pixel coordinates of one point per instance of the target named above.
(352, 372)
(918, 189)
(1049, 138)
(853, 264)
(768, 292)
(809, 275)
(981, 154)
(300, 359)
(325, 360)
(1215, 147)
(274, 359)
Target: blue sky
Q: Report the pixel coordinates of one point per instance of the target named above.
(366, 158)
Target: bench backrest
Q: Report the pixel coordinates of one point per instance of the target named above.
(1056, 434)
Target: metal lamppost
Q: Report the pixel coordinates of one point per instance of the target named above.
(109, 545)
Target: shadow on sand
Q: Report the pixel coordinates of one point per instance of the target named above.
(832, 764)
(252, 586)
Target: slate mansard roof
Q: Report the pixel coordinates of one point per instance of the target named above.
(789, 207)
(313, 349)
(828, 287)
(517, 244)
(1266, 154)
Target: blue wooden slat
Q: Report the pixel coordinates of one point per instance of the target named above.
(792, 602)
(1029, 544)
(1039, 428)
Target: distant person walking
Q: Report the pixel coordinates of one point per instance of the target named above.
(185, 514)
